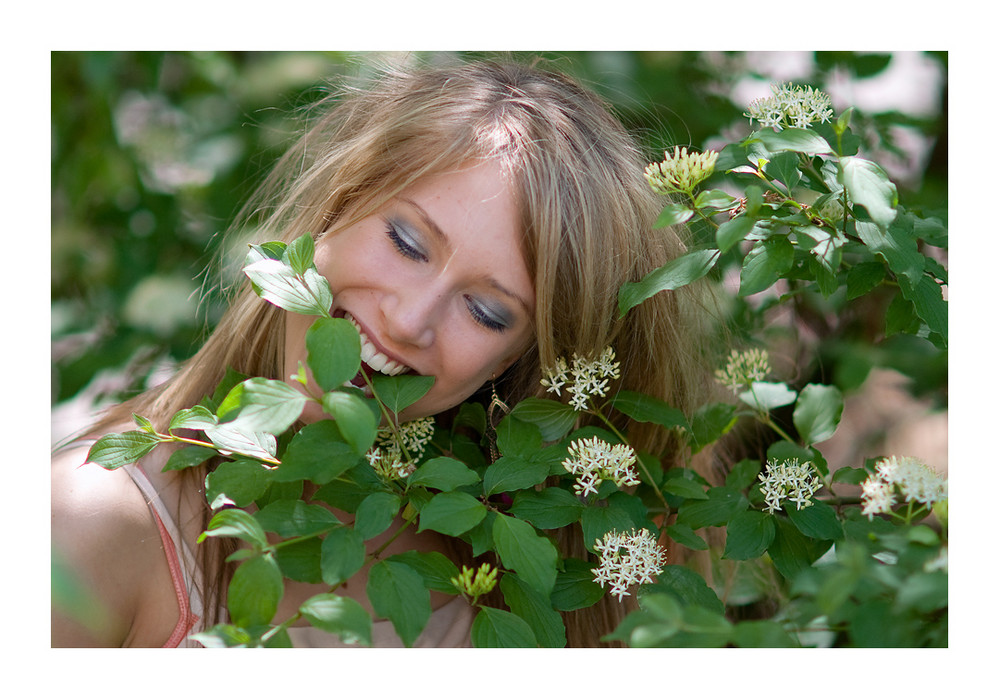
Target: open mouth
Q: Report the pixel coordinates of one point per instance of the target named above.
(372, 359)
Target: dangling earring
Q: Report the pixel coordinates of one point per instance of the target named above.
(494, 414)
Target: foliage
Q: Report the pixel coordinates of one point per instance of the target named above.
(806, 220)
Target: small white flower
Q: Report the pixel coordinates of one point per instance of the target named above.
(583, 380)
(905, 476)
(628, 559)
(791, 106)
(592, 460)
(389, 459)
(877, 497)
(789, 481)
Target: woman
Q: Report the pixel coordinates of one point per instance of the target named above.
(475, 222)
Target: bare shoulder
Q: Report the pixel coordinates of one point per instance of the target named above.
(109, 553)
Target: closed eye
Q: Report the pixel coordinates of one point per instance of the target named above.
(403, 243)
(485, 317)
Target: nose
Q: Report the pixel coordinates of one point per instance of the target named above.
(411, 315)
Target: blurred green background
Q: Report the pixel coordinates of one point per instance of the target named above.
(153, 153)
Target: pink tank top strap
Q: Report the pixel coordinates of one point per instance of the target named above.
(179, 559)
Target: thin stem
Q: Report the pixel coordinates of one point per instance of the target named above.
(201, 443)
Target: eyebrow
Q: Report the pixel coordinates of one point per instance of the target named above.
(443, 237)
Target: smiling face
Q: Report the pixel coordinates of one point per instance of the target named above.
(436, 283)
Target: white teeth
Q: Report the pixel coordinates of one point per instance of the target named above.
(373, 358)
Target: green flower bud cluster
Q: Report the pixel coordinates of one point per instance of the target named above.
(680, 171)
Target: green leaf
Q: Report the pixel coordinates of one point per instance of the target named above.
(758, 634)
(817, 412)
(647, 409)
(864, 277)
(791, 551)
(686, 585)
(299, 253)
(686, 537)
(928, 303)
(552, 418)
(118, 449)
(722, 504)
(401, 391)
(818, 521)
(397, 592)
(242, 481)
(868, 185)
(237, 523)
(709, 423)
(784, 167)
(733, 231)
(619, 514)
(451, 513)
(194, 418)
(765, 264)
(897, 246)
(714, 199)
(316, 453)
(766, 396)
(189, 456)
(339, 615)
(685, 488)
(850, 475)
(547, 509)
(799, 140)
(743, 474)
(230, 438)
(748, 535)
(299, 560)
(342, 555)
(334, 352)
(525, 602)
(295, 518)
(530, 555)
(676, 273)
(275, 281)
(265, 405)
(357, 422)
(376, 513)
(575, 587)
(495, 628)
(255, 591)
(443, 474)
(512, 473)
(435, 569)
(672, 215)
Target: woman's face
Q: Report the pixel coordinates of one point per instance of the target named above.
(436, 283)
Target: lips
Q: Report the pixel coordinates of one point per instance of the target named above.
(373, 358)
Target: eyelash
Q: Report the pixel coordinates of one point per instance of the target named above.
(405, 249)
(410, 252)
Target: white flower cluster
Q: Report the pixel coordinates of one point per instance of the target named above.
(789, 481)
(909, 477)
(584, 379)
(628, 559)
(743, 369)
(592, 460)
(791, 106)
(387, 456)
(680, 171)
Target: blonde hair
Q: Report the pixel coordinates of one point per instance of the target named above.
(586, 211)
